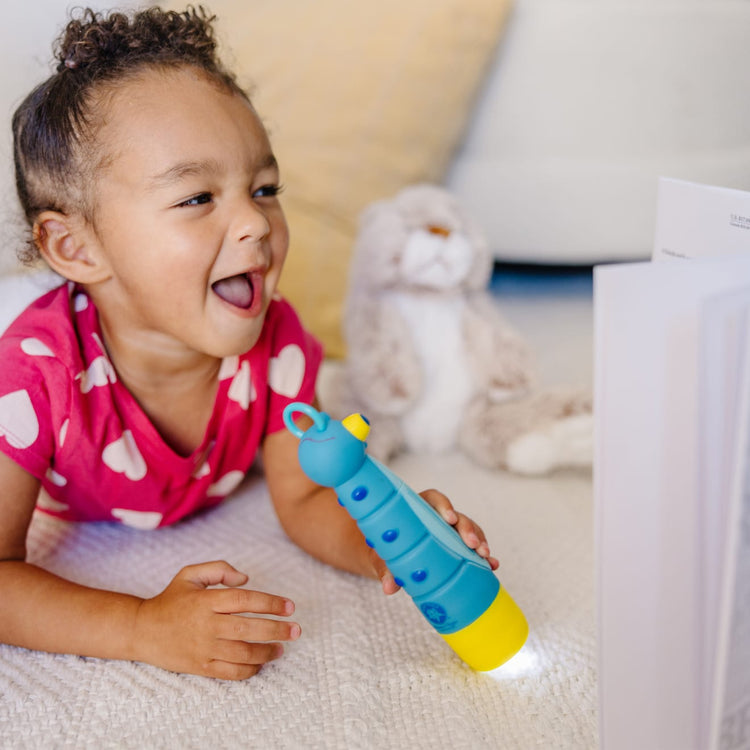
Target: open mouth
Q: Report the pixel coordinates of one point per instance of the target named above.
(239, 290)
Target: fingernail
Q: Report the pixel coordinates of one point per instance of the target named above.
(288, 607)
(295, 632)
(388, 582)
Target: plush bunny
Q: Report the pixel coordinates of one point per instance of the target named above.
(430, 360)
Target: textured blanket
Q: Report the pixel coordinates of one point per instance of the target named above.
(368, 672)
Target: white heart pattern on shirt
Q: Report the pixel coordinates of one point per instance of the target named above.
(202, 471)
(123, 457)
(242, 389)
(145, 520)
(286, 371)
(80, 302)
(36, 348)
(63, 432)
(229, 482)
(229, 366)
(18, 422)
(100, 372)
(57, 479)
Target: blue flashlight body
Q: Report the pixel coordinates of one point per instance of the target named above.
(453, 587)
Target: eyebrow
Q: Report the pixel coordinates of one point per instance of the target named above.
(191, 168)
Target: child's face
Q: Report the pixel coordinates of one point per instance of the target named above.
(187, 220)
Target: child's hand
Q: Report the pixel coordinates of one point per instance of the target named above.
(191, 628)
(470, 532)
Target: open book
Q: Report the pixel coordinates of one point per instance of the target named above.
(672, 480)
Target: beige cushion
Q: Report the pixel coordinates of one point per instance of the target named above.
(360, 99)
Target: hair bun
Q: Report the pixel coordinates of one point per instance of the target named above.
(98, 42)
(90, 39)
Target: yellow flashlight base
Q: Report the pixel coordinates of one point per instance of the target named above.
(494, 637)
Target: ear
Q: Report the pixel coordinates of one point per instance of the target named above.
(70, 247)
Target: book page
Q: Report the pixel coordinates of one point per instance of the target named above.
(700, 221)
(731, 727)
(648, 512)
(735, 712)
(723, 399)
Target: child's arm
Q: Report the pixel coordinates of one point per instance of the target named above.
(312, 518)
(186, 628)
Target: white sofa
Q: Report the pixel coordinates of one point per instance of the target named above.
(588, 103)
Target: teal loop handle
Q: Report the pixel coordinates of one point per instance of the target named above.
(320, 419)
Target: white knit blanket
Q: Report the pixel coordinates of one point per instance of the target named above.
(368, 672)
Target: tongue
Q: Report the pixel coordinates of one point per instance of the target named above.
(237, 290)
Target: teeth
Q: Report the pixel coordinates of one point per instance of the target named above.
(236, 290)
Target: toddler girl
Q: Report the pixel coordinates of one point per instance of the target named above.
(140, 390)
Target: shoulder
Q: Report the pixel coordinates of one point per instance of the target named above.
(42, 329)
(43, 342)
(35, 382)
(44, 318)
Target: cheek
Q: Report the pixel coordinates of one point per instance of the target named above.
(280, 244)
(177, 254)
(152, 274)
(150, 269)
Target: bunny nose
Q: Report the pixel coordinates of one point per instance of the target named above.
(440, 231)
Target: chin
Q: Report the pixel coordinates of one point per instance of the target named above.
(235, 347)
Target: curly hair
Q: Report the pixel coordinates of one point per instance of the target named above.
(55, 127)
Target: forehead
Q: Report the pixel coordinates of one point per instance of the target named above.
(162, 116)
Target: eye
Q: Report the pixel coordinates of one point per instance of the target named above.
(197, 200)
(268, 191)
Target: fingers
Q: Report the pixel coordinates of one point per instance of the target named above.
(223, 670)
(472, 534)
(387, 581)
(236, 601)
(441, 504)
(212, 574)
(243, 645)
(254, 629)
(193, 627)
(251, 654)
(232, 600)
(475, 539)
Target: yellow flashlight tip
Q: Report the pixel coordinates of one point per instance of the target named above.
(358, 425)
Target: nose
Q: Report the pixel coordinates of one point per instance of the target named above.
(250, 223)
(439, 230)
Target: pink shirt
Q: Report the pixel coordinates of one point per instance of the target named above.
(66, 418)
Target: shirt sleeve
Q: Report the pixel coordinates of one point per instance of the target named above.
(26, 423)
(295, 359)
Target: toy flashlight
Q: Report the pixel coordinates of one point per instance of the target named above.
(453, 587)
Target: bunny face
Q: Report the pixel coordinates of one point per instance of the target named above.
(420, 239)
(437, 260)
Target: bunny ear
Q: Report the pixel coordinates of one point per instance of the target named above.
(483, 260)
(481, 269)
